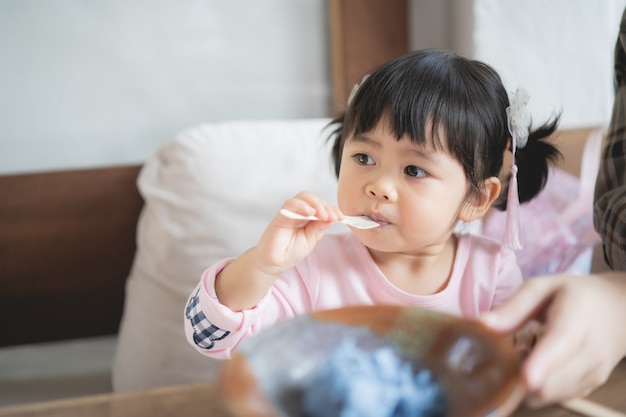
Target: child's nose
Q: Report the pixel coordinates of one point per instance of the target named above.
(383, 189)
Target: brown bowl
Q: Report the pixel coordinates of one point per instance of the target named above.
(478, 369)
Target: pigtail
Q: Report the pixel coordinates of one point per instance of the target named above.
(534, 160)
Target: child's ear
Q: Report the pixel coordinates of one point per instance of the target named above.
(480, 204)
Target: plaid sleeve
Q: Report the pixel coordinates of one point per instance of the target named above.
(204, 332)
(610, 191)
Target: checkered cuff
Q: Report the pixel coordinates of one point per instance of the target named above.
(204, 332)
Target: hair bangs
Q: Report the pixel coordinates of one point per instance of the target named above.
(418, 100)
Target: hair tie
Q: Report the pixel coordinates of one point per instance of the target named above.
(356, 88)
(518, 121)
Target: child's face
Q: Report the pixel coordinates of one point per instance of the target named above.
(414, 191)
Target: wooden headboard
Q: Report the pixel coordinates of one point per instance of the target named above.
(67, 242)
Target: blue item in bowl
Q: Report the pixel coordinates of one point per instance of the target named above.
(362, 383)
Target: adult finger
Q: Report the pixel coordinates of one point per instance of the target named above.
(527, 303)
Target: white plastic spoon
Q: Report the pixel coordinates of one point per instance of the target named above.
(360, 222)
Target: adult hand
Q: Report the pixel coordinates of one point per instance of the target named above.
(583, 337)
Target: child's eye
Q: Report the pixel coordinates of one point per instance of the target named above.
(413, 171)
(363, 159)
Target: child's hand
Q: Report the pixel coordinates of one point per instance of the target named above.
(286, 241)
(242, 283)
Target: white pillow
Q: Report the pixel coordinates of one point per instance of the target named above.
(208, 194)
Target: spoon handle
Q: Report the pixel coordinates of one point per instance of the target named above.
(360, 222)
(290, 214)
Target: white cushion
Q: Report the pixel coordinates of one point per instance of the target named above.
(209, 194)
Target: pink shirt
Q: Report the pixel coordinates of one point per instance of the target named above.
(340, 272)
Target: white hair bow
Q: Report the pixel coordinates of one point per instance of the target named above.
(518, 119)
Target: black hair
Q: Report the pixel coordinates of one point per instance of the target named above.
(438, 89)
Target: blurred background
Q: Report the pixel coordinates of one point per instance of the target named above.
(96, 83)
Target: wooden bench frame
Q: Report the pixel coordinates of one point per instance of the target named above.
(67, 243)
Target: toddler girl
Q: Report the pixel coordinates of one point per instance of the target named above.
(419, 149)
